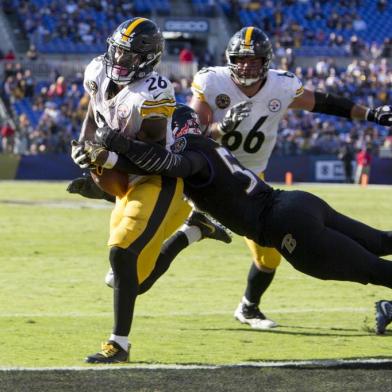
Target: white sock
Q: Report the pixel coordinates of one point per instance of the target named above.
(121, 340)
(246, 302)
(192, 233)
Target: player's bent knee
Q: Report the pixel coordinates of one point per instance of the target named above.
(266, 259)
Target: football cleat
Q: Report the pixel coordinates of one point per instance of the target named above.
(111, 352)
(208, 228)
(250, 314)
(383, 315)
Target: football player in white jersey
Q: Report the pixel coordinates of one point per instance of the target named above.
(127, 95)
(241, 105)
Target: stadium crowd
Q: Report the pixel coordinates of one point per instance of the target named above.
(49, 113)
(343, 26)
(340, 25)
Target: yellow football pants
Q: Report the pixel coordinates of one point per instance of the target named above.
(145, 217)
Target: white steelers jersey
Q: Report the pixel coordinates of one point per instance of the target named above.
(152, 96)
(254, 138)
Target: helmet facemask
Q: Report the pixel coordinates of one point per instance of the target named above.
(248, 70)
(124, 66)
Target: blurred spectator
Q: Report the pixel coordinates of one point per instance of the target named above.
(382, 5)
(21, 137)
(10, 55)
(7, 133)
(32, 53)
(186, 55)
(29, 84)
(386, 50)
(58, 88)
(356, 46)
(359, 24)
(364, 161)
(347, 156)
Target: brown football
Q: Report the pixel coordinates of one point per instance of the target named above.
(111, 181)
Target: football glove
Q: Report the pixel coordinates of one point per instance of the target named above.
(234, 116)
(112, 140)
(381, 115)
(78, 154)
(86, 187)
(90, 155)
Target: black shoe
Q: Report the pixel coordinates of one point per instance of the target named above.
(111, 353)
(208, 228)
(383, 315)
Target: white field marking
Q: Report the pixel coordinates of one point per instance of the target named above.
(188, 314)
(262, 364)
(97, 204)
(334, 184)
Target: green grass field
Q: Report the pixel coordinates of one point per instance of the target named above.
(55, 308)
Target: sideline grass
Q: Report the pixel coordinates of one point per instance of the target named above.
(55, 309)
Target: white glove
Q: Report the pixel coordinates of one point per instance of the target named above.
(90, 155)
(79, 155)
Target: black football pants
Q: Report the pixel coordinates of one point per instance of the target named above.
(325, 244)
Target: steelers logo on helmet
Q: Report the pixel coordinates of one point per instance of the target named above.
(134, 50)
(249, 54)
(222, 101)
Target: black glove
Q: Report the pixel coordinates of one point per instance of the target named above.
(381, 115)
(234, 116)
(86, 187)
(112, 140)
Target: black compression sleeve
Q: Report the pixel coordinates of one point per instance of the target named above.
(155, 159)
(332, 104)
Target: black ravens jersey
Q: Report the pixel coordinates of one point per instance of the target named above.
(232, 194)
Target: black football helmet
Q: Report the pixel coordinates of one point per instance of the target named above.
(134, 50)
(249, 42)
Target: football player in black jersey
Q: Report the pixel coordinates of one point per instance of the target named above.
(298, 224)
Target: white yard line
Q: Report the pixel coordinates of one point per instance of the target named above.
(97, 204)
(188, 314)
(263, 364)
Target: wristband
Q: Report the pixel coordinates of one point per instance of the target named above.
(370, 115)
(111, 160)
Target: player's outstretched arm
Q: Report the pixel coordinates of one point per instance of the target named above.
(320, 102)
(152, 158)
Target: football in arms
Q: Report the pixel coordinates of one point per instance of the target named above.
(111, 181)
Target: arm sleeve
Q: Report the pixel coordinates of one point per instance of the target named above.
(154, 159)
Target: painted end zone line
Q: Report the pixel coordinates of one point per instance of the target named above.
(327, 363)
